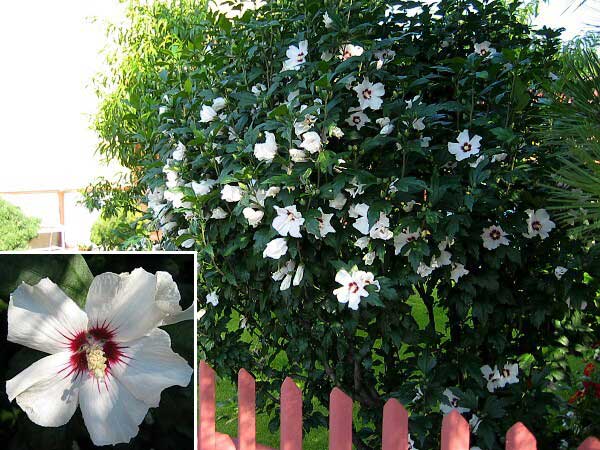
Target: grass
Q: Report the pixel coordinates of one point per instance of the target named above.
(317, 439)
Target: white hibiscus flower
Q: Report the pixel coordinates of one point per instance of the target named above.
(288, 221)
(493, 237)
(484, 49)
(267, 150)
(386, 126)
(179, 152)
(452, 404)
(231, 194)
(110, 359)
(559, 271)
(253, 216)
(499, 157)
(207, 114)
(296, 56)
(218, 104)
(336, 132)
(356, 189)
(474, 422)
(458, 271)
(424, 270)
(327, 21)
(350, 50)
(357, 118)
(406, 237)
(362, 242)
(492, 376)
(218, 213)
(369, 258)
(465, 147)
(275, 249)
(369, 94)
(311, 142)
(204, 187)
(415, 100)
(212, 298)
(384, 56)
(359, 212)
(285, 274)
(353, 287)
(297, 155)
(509, 374)
(419, 124)
(257, 89)
(538, 224)
(338, 202)
(381, 228)
(325, 224)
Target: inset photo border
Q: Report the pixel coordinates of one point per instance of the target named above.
(97, 349)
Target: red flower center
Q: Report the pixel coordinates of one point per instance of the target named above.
(537, 226)
(94, 352)
(495, 234)
(467, 147)
(353, 287)
(367, 93)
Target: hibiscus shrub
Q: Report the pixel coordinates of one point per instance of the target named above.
(367, 200)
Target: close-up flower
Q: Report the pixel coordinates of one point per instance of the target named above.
(110, 359)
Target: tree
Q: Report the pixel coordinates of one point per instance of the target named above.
(16, 229)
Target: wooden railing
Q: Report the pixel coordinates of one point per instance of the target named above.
(455, 429)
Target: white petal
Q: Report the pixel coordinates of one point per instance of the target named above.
(150, 367)
(43, 317)
(126, 303)
(110, 412)
(167, 294)
(46, 390)
(187, 314)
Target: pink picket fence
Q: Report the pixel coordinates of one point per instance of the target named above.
(455, 429)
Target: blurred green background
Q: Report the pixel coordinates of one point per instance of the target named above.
(168, 427)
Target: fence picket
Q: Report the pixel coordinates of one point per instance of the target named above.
(207, 407)
(455, 432)
(395, 426)
(519, 437)
(291, 416)
(590, 443)
(247, 411)
(455, 429)
(340, 421)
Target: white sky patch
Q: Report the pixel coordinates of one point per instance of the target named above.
(50, 52)
(564, 14)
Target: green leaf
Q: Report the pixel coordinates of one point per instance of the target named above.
(70, 272)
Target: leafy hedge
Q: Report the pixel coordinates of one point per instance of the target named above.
(340, 167)
(16, 229)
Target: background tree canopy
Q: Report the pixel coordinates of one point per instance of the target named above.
(16, 229)
(345, 114)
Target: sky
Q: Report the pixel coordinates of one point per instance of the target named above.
(50, 51)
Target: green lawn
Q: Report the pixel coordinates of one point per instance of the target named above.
(316, 439)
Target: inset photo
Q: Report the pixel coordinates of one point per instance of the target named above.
(97, 350)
